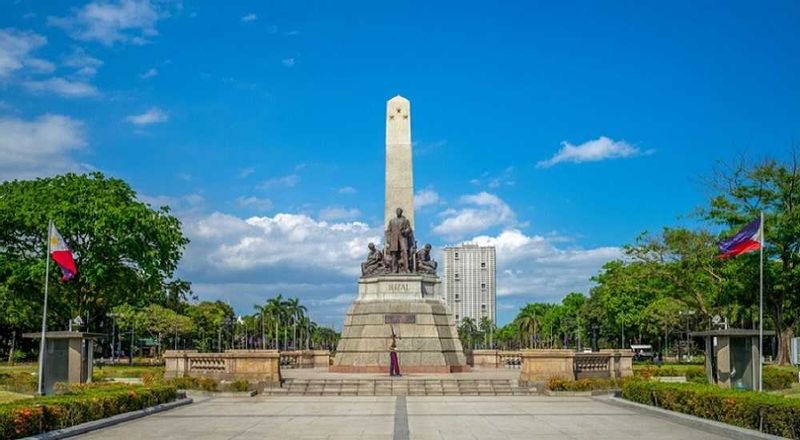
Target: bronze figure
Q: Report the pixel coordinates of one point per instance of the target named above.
(374, 264)
(424, 262)
(399, 237)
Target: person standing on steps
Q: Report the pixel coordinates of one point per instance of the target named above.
(394, 363)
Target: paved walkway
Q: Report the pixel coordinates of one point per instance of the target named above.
(390, 417)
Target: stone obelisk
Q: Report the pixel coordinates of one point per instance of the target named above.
(408, 304)
(399, 164)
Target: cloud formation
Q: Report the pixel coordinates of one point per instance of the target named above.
(426, 197)
(602, 148)
(62, 87)
(39, 147)
(15, 51)
(280, 182)
(256, 203)
(335, 213)
(85, 64)
(124, 21)
(150, 73)
(481, 212)
(152, 116)
(534, 267)
(249, 17)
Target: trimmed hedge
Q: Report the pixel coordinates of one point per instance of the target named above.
(692, 373)
(778, 378)
(79, 405)
(556, 384)
(768, 413)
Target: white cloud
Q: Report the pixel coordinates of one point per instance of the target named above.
(335, 213)
(15, 51)
(426, 197)
(596, 150)
(249, 17)
(39, 147)
(124, 21)
(483, 211)
(39, 65)
(244, 172)
(62, 87)
(150, 73)
(87, 65)
(283, 181)
(505, 178)
(295, 246)
(259, 204)
(533, 266)
(347, 190)
(152, 116)
(289, 62)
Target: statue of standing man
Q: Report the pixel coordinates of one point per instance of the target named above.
(399, 239)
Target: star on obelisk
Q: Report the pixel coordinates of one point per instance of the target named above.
(399, 167)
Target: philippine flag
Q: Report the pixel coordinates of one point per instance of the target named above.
(61, 254)
(746, 240)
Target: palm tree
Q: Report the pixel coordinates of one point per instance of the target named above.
(528, 325)
(467, 330)
(486, 327)
(295, 311)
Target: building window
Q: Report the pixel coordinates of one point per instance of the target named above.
(456, 256)
(456, 317)
(457, 279)
(483, 286)
(483, 306)
(483, 265)
(457, 298)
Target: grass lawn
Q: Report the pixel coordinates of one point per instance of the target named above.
(8, 396)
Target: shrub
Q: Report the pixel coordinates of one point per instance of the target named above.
(18, 382)
(692, 373)
(557, 384)
(748, 409)
(778, 378)
(238, 385)
(77, 405)
(194, 383)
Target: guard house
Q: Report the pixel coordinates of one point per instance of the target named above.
(68, 357)
(733, 357)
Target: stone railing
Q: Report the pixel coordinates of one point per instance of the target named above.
(494, 359)
(305, 359)
(542, 365)
(251, 365)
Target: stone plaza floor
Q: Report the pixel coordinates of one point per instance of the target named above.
(401, 417)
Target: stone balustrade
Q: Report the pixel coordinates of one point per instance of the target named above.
(305, 359)
(251, 365)
(543, 364)
(494, 359)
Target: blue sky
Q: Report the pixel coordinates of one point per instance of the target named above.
(556, 132)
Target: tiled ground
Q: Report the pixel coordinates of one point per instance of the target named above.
(387, 417)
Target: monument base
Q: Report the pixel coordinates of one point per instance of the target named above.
(411, 306)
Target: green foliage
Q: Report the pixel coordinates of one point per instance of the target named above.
(125, 250)
(34, 416)
(18, 382)
(778, 378)
(556, 384)
(772, 414)
(692, 373)
(194, 383)
(744, 190)
(238, 385)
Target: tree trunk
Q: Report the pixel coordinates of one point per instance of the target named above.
(784, 336)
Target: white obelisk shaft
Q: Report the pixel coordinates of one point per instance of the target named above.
(399, 168)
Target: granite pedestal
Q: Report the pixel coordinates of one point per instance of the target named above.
(410, 305)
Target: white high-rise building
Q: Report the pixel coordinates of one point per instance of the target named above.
(469, 281)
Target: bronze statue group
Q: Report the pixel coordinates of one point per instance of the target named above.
(400, 249)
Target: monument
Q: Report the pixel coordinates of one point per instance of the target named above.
(399, 293)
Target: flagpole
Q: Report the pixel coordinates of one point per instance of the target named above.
(761, 310)
(44, 310)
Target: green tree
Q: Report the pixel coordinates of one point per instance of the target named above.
(467, 331)
(487, 328)
(208, 319)
(742, 192)
(126, 251)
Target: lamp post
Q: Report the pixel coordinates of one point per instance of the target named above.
(113, 317)
(594, 337)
